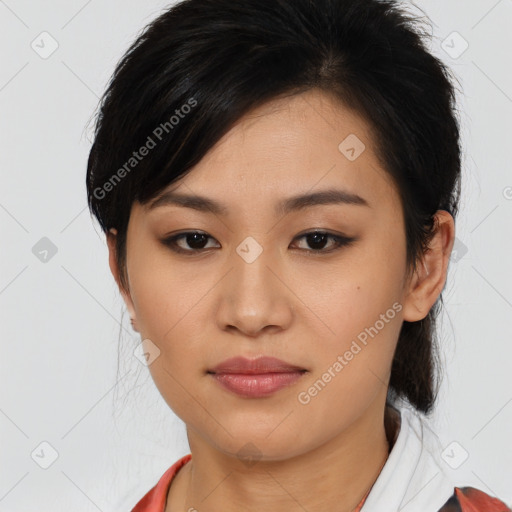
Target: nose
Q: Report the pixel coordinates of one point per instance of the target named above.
(254, 298)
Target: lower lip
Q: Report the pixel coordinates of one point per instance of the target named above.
(256, 385)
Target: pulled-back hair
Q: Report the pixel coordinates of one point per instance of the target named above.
(202, 64)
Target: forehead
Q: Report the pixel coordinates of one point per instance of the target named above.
(304, 130)
(290, 146)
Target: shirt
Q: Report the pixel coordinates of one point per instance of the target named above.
(413, 479)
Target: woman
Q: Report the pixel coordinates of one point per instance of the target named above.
(278, 183)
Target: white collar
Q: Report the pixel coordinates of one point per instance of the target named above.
(413, 478)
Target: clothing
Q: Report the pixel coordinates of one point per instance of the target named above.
(412, 480)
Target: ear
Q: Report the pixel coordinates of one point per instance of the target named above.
(428, 281)
(112, 261)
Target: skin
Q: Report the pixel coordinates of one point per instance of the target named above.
(303, 307)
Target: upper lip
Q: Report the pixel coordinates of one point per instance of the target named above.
(259, 365)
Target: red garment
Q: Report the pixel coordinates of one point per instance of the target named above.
(155, 499)
(465, 499)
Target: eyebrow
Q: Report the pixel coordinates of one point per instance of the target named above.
(295, 203)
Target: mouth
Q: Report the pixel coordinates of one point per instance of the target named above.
(255, 378)
(260, 365)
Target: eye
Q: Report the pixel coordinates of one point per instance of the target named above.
(196, 241)
(319, 239)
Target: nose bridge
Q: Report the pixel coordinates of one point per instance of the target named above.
(254, 297)
(252, 260)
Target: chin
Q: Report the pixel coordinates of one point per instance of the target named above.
(256, 445)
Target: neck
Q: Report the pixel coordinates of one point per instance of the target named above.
(334, 476)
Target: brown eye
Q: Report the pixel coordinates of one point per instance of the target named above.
(318, 240)
(195, 242)
(188, 242)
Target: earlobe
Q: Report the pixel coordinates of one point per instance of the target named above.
(111, 243)
(428, 281)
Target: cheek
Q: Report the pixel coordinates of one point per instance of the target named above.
(165, 296)
(352, 366)
(361, 344)
(360, 307)
(355, 295)
(170, 306)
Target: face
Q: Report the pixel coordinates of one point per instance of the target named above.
(257, 281)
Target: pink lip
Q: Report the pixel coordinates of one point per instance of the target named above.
(259, 365)
(255, 377)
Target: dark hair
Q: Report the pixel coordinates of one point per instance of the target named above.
(202, 64)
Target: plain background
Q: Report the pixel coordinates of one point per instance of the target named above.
(110, 432)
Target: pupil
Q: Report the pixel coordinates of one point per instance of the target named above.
(315, 237)
(194, 237)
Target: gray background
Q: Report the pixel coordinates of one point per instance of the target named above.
(61, 315)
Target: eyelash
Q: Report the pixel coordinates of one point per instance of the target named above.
(339, 242)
